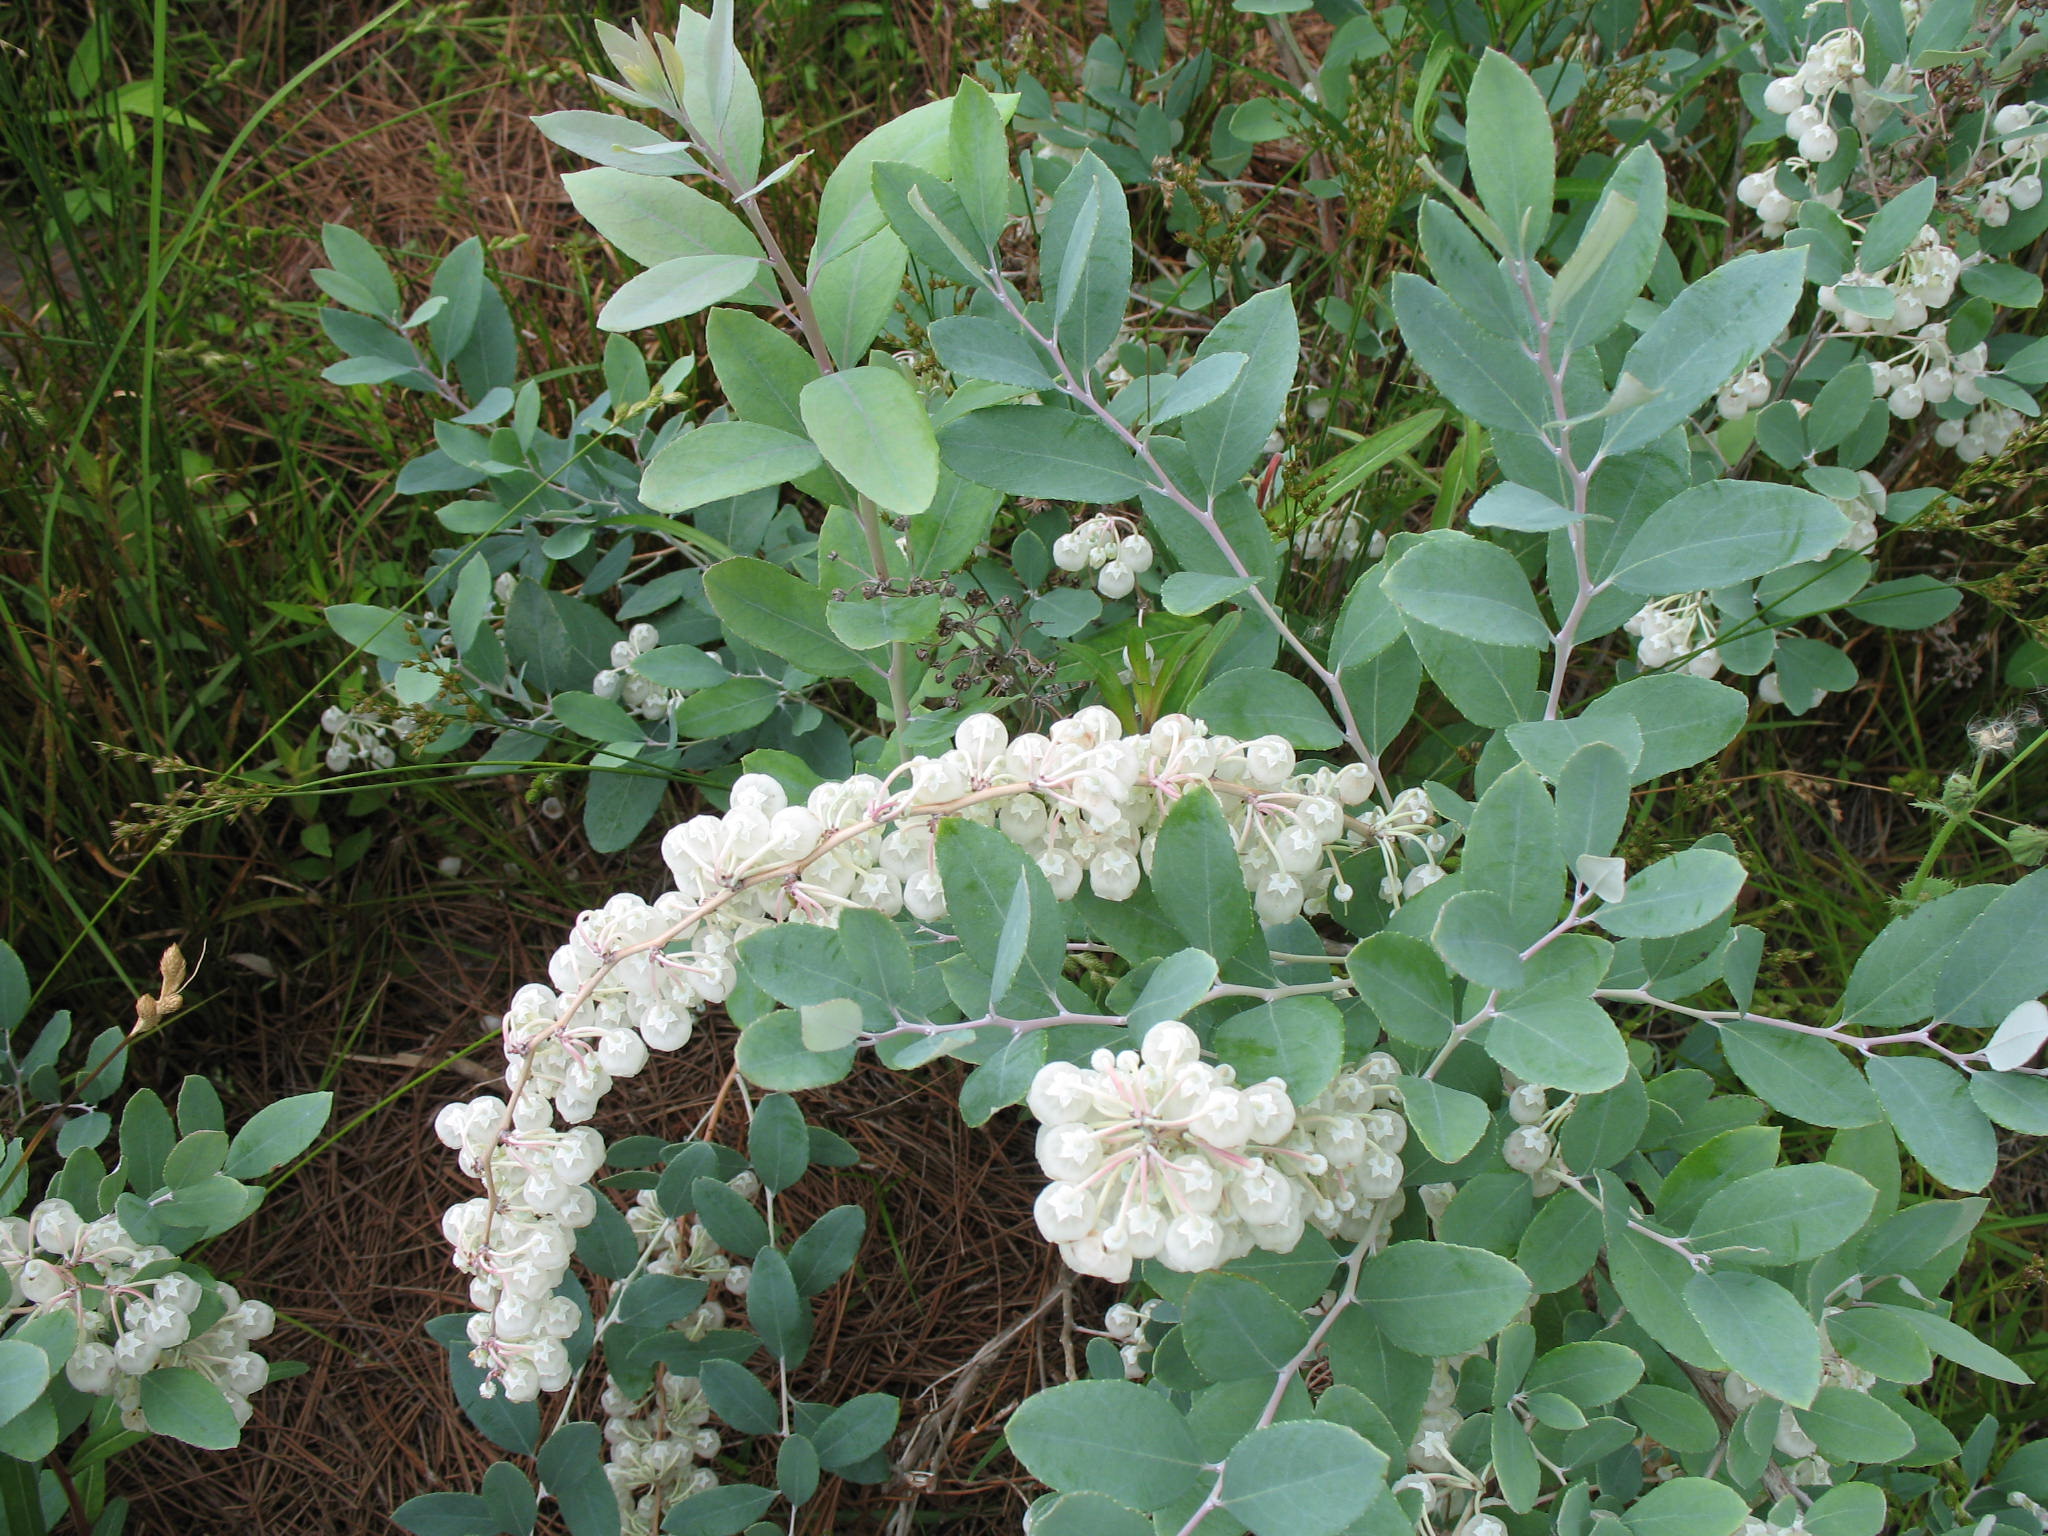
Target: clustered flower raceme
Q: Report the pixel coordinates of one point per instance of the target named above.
(1668, 628)
(656, 1447)
(130, 1321)
(1083, 800)
(1411, 842)
(354, 737)
(1531, 1147)
(1921, 281)
(1748, 391)
(1337, 532)
(1125, 1324)
(1806, 97)
(1155, 1153)
(1111, 547)
(2022, 131)
(636, 693)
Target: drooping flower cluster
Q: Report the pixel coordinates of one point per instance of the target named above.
(1531, 1147)
(2021, 131)
(1746, 392)
(1806, 97)
(1337, 532)
(1411, 842)
(1125, 1325)
(360, 738)
(1921, 281)
(657, 1446)
(1084, 801)
(1155, 1153)
(128, 1326)
(1668, 628)
(1111, 547)
(638, 694)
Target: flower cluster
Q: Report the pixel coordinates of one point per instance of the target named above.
(134, 1312)
(1983, 434)
(1531, 1147)
(1920, 281)
(1125, 1325)
(359, 738)
(1337, 532)
(1083, 800)
(640, 695)
(1111, 547)
(1410, 841)
(1155, 1153)
(2022, 144)
(1806, 97)
(656, 1449)
(1668, 628)
(1863, 511)
(1746, 392)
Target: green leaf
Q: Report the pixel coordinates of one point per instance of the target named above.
(738, 1397)
(872, 427)
(1195, 858)
(1783, 1215)
(1673, 1417)
(2016, 1102)
(796, 1469)
(447, 1514)
(827, 1248)
(1590, 1372)
(1848, 1509)
(1440, 1298)
(1929, 1105)
(1034, 450)
(1465, 586)
(856, 1429)
(1675, 895)
(980, 870)
(727, 1215)
(1854, 1426)
(1558, 1037)
(773, 1054)
(723, 459)
(379, 632)
(1683, 720)
(735, 705)
(1986, 975)
(1760, 1330)
(1226, 436)
(1960, 1345)
(984, 347)
(595, 719)
(24, 1372)
(1724, 532)
(1511, 849)
(1703, 338)
(782, 614)
(276, 1134)
(1085, 251)
(1300, 1039)
(1178, 984)
(1404, 983)
(1510, 150)
(722, 1511)
(775, 1310)
(1892, 984)
(1448, 1122)
(180, 1402)
(778, 1143)
(571, 1468)
(1614, 256)
(1150, 1460)
(1799, 1075)
(1305, 1477)
(1235, 1328)
(1472, 934)
(654, 219)
(676, 288)
(1086, 1514)
(1489, 379)
(1688, 1506)
(980, 161)
(1250, 701)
